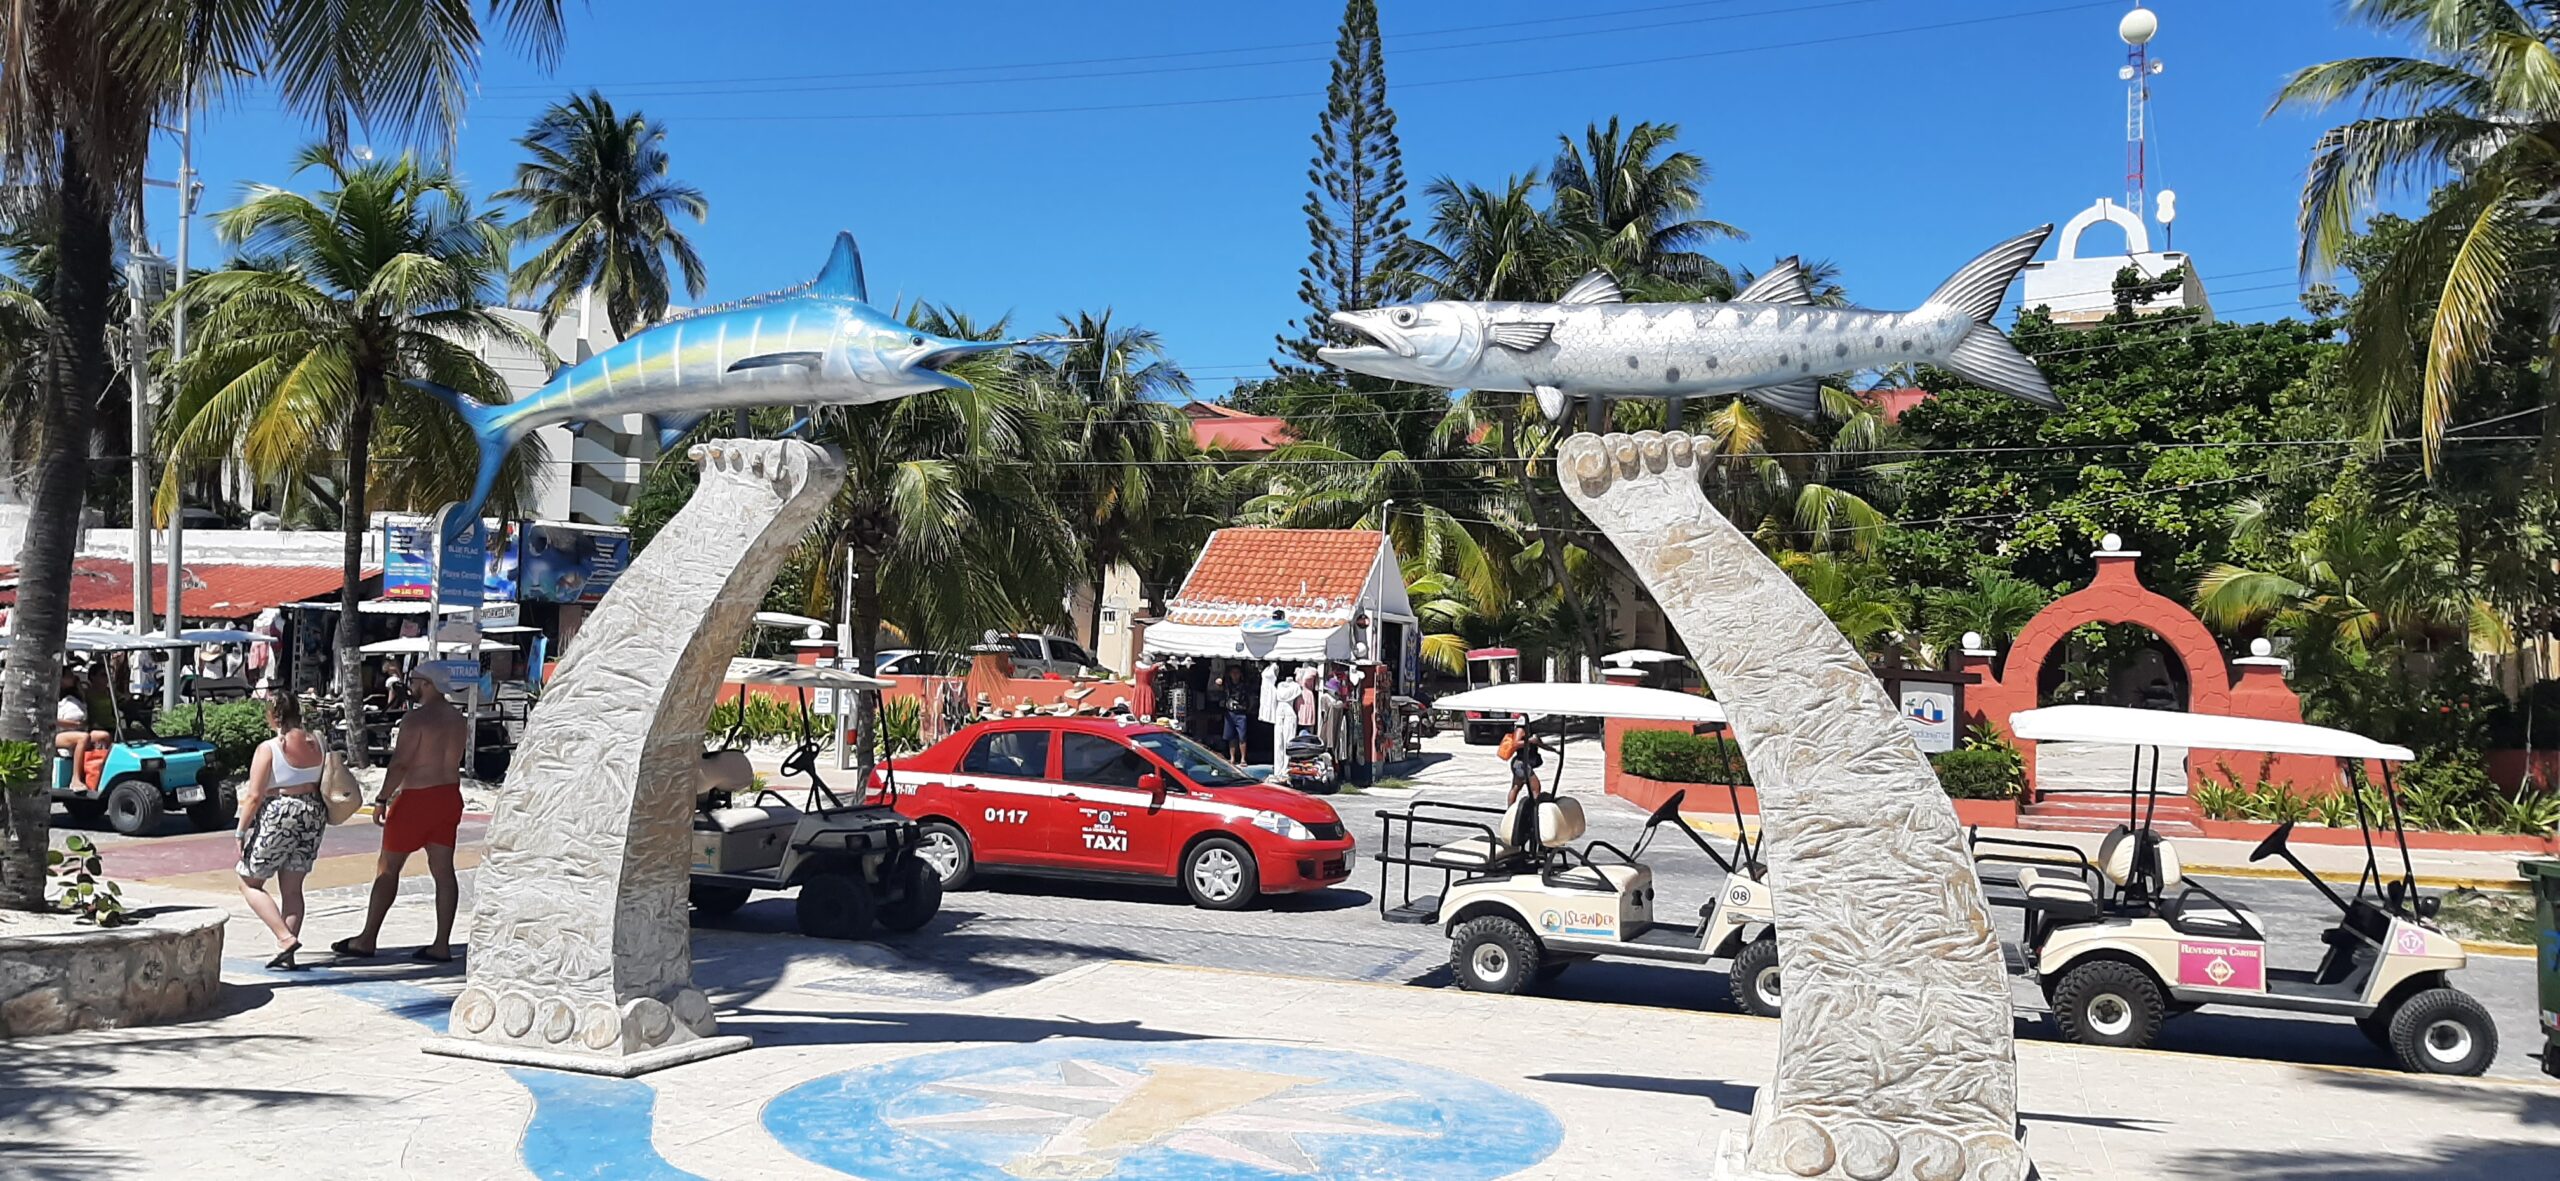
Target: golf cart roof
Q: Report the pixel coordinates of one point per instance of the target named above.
(98, 639)
(1580, 700)
(1644, 656)
(804, 676)
(1493, 653)
(2113, 725)
(786, 619)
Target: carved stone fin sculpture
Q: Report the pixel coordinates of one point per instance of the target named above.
(581, 949)
(1895, 1057)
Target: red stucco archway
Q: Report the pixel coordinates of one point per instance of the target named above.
(2117, 596)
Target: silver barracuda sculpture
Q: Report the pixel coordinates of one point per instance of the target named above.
(823, 344)
(1770, 343)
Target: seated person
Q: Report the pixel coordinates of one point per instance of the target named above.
(73, 733)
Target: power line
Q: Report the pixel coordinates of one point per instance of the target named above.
(1299, 95)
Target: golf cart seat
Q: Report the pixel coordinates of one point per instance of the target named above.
(2193, 911)
(2064, 896)
(2115, 855)
(1485, 852)
(726, 770)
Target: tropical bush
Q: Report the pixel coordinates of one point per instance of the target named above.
(2441, 791)
(1676, 757)
(21, 763)
(235, 728)
(1978, 773)
(766, 720)
(901, 725)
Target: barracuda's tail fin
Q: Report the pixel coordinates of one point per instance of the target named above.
(1984, 356)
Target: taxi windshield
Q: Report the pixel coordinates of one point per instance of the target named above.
(1193, 759)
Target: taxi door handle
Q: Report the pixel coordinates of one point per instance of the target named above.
(964, 787)
(1072, 798)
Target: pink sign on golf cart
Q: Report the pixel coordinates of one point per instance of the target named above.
(2222, 965)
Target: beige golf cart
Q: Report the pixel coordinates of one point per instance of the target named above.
(855, 864)
(1521, 902)
(2124, 940)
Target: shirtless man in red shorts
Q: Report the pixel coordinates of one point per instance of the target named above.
(419, 808)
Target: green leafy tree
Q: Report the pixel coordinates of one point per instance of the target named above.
(1992, 604)
(1355, 199)
(86, 81)
(302, 351)
(2473, 118)
(597, 187)
(1481, 244)
(1861, 600)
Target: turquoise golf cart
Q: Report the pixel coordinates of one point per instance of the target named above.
(139, 779)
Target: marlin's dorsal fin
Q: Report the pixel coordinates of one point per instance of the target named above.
(1596, 287)
(1787, 282)
(843, 273)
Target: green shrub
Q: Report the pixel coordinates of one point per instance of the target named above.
(768, 719)
(21, 764)
(901, 725)
(235, 728)
(81, 886)
(1674, 756)
(1978, 773)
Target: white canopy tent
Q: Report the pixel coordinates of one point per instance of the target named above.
(1575, 699)
(418, 646)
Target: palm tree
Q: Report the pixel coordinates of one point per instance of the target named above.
(1785, 475)
(1629, 208)
(1994, 606)
(597, 187)
(1857, 596)
(1127, 448)
(2477, 111)
(86, 80)
(1480, 245)
(2351, 585)
(947, 517)
(304, 349)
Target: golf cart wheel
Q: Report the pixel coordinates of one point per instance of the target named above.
(2443, 1031)
(1754, 977)
(2108, 1003)
(941, 844)
(915, 891)
(219, 809)
(1494, 954)
(134, 806)
(1219, 874)
(835, 904)
(88, 812)
(716, 901)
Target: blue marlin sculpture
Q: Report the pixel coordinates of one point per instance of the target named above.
(823, 344)
(1771, 343)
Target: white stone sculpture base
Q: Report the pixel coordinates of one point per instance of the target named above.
(581, 940)
(1894, 1045)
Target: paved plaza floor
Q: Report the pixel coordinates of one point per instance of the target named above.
(866, 1065)
(1045, 1029)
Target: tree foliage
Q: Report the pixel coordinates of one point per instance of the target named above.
(596, 185)
(1355, 195)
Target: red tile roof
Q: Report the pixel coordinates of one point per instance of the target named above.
(213, 590)
(1314, 573)
(1213, 425)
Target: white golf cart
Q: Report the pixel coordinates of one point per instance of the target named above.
(854, 863)
(1521, 903)
(2122, 941)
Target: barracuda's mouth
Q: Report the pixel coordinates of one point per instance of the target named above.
(1370, 327)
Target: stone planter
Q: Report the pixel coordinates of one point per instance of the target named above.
(166, 966)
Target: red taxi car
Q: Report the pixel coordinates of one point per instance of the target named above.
(1101, 799)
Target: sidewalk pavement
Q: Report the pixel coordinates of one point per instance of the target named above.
(869, 1065)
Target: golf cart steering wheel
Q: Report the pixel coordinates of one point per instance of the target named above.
(2274, 843)
(1669, 811)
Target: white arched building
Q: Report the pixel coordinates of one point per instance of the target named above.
(2080, 288)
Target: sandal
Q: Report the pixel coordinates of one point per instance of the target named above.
(284, 960)
(346, 949)
(431, 957)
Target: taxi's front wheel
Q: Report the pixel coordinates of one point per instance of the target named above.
(1219, 874)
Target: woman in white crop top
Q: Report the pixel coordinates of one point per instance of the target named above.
(281, 821)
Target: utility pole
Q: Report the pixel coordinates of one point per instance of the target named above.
(188, 190)
(137, 362)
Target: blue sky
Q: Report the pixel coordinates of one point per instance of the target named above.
(1843, 129)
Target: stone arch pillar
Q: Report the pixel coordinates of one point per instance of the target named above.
(581, 940)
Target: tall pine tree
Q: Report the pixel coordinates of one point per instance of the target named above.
(1355, 207)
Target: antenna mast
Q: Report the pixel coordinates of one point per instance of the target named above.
(2137, 28)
